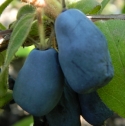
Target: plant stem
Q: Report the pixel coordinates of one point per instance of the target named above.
(43, 44)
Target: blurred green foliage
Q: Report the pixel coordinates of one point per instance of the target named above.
(28, 121)
(24, 51)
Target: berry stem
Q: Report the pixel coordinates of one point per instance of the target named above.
(43, 44)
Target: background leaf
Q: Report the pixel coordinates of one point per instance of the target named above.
(4, 5)
(2, 27)
(95, 10)
(6, 99)
(28, 121)
(103, 4)
(113, 94)
(86, 6)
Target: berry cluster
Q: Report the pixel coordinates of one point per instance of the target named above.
(62, 85)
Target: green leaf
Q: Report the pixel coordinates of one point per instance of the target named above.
(2, 57)
(19, 34)
(95, 9)
(24, 52)
(13, 24)
(25, 10)
(103, 4)
(113, 94)
(34, 32)
(2, 27)
(3, 82)
(86, 6)
(6, 99)
(27, 121)
(4, 5)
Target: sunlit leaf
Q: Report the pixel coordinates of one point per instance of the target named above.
(28, 121)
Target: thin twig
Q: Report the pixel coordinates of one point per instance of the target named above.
(106, 17)
(4, 33)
